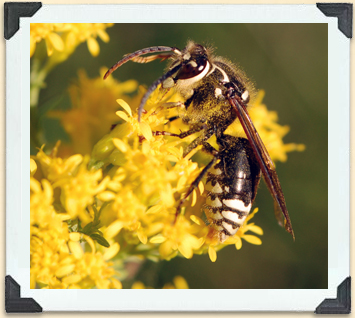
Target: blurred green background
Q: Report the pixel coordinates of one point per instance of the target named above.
(289, 62)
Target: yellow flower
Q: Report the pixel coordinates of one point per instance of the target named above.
(48, 32)
(91, 270)
(148, 177)
(79, 189)
(178, 283)
(86, 122)
(88, 32)
(55, 168)
(61, 37)
(126, 195)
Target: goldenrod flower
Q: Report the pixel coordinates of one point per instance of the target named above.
(126, 195)
(93, 109)
(78, 190)
(148, 177)
(63, 37)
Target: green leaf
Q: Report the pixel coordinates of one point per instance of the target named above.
(100, 239)
(88, 228)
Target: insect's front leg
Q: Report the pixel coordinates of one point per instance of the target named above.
(182, 135)
(169, 105)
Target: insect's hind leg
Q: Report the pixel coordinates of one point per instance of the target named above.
(208, 148)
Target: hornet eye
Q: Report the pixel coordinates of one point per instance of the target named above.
(192, 69)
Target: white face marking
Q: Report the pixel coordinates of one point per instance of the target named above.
(214, 189)
(215, 171)
(215, 203)
(245, 95)
(194, 64)
(187, 56)
(217, 92)
(168, 83)
(233, 216)
(225, 76)
(229, 228)
(237, 204)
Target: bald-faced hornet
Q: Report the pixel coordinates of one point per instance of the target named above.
(215, 95)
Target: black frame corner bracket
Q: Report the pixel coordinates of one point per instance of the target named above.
(342, 11)
(13, 301)
(13, 11)
(339, 305)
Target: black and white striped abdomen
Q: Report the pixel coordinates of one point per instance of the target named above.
(231, 186)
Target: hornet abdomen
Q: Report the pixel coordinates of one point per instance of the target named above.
(231, 186)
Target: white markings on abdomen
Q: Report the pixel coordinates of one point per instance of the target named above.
(237, 204)
(227, 205)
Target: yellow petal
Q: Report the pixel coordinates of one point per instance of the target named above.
(113, 229)
(256, 229)
(72, 279)
(74, 161)
(157, 239)
(56, 41)
(76, 249)
(33, 167)
(111, 251)
(154, 209)
(238, 243)
(93, 46)
(167, 196)
(116, 283)
(90, 242)
(146, 130)
(106, 196)
(74, 236)
(142, 236)
(138, 285)
(252, 239)
(71, 40)
(33, 46)
(103, 35)
(123, 115)
(49, 46)
(125, 106)
(185, 250)
(194, 198)
(35, 186)
(64, 270)
(201, 187)
(120, 145)
(212, 254)
(180, 282)
(196, 220)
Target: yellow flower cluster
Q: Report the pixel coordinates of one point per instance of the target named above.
(57, 256)
(150, 175)
(64, 37)
(90, 215)
(92, 111)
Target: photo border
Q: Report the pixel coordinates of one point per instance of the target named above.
(17, 150)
